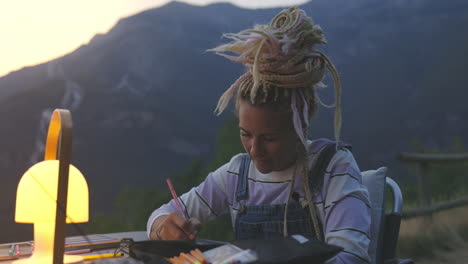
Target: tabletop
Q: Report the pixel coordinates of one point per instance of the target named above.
(135, 235)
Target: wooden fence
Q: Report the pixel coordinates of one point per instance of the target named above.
(423, 161)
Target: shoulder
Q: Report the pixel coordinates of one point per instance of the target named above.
(227, 174)
(314, 146)
(340, 157)
(234, 164)
(323, 157)
(343, 179)
(224, 179)
(344, 158)
(342, 176)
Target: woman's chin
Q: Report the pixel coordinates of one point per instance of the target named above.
(263, 167)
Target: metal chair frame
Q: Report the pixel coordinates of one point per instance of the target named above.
(391, 226)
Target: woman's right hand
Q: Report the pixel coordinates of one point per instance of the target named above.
(174, 227)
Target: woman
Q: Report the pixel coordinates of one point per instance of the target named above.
(274, 183)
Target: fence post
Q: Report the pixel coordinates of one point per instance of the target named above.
(423, 160)
(424, 193)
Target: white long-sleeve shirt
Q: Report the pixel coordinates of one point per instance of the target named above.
(342, 204)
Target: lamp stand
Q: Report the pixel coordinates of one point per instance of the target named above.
(44, 247)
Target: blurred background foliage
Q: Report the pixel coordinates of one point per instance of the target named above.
(134, 204)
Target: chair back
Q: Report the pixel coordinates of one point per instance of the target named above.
(375, 181)
(391, 229)
(385, 228)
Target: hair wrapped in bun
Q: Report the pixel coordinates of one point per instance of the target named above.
(283, 67)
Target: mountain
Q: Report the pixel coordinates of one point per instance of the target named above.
(142, 95)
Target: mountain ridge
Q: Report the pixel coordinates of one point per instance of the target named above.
(143, 94)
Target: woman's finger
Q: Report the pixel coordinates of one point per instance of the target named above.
(172, 231)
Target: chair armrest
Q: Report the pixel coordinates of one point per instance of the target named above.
(399, 261)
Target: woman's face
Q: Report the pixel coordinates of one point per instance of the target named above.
(268, 136)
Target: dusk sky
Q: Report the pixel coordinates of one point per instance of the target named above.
(37, 31)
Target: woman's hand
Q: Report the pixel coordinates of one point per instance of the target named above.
(174, 227)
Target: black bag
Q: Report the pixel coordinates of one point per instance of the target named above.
(154, 251)
(284, 250)
(289, 250)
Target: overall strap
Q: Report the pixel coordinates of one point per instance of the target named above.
(315, 180)
(242, 191)
(317, 172)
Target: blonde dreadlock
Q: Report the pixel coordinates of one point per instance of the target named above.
(281, 56)
(283, 67)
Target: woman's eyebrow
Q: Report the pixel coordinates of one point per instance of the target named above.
(243, 130)
(270, 134)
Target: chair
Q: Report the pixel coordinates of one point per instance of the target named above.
(385, 228)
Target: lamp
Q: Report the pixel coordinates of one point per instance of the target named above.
(51, 193)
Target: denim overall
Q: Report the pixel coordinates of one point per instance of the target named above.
(266, 221)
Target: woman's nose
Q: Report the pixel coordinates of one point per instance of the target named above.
(256, 148)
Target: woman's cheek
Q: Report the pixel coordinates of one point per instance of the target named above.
(246, 144)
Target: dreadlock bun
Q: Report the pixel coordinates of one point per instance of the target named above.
(282, 63)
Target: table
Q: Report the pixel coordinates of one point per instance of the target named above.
(136, 236)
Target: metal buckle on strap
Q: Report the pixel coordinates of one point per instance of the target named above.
(126, 247)
(304, 203)
(241, 209)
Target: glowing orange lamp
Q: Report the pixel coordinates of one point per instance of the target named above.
(51, 193)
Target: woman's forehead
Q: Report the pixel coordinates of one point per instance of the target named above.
(263, 118)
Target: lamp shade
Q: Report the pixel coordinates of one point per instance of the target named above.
(36, 199)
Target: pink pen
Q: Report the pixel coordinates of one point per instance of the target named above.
(178, 205)
(176, 199)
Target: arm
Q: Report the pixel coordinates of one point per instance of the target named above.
(202, 203)
(174, 227)
(347, 210)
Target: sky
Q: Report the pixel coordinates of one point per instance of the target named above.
(36, 31)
